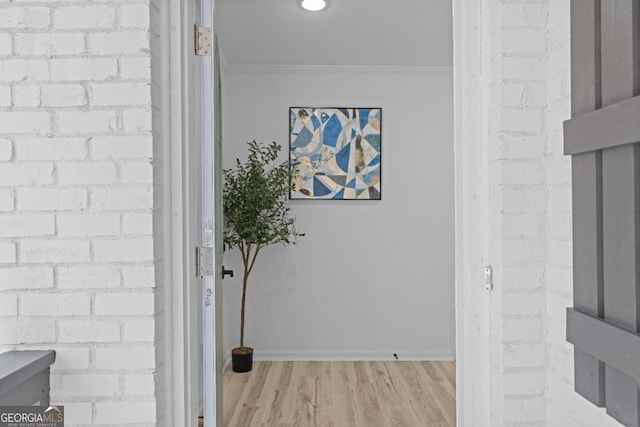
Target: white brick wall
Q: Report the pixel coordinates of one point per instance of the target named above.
(517, 172)
(51, 199)
(76, 200)
(73, 17)
(5, 93)
(88, 277)
(41, 44)
(57, 304)
(25, 17)
(26, 225)
(51, 148)
(87, 122)
(6, 150)
(14, 122)
(84, 69)
(119, 42)
(120, 93)
(26, 96)
(68, 95)
(14, 70)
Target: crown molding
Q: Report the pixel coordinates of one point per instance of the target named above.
(337, 69)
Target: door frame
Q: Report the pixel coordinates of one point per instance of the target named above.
(182, 186)
(181, 233)
(471, 89)
(212, 224)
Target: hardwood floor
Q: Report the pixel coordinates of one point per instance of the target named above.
(341, 394)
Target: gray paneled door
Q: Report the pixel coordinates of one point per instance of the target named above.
(603, 138)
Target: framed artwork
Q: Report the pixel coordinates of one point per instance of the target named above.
(335, 153)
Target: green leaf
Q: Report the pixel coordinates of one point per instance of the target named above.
(254, 200)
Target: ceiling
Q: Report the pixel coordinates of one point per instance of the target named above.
(347, 33)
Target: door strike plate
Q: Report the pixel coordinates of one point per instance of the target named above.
(488, 279)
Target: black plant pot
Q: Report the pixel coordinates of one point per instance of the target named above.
(242, 359)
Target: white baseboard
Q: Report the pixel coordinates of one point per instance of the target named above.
(325, 355)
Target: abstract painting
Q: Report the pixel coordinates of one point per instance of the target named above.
(335, 153)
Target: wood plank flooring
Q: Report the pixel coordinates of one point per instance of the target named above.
(341, 394)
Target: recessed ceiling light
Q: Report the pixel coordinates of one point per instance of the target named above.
(313, 5)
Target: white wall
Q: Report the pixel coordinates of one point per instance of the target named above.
(516, 74)
(76, 199)
(370, 278)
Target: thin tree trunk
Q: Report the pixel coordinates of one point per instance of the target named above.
(248, 260)
(244, 299)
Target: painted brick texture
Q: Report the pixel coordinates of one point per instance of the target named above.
(518, 204)
(76, 201)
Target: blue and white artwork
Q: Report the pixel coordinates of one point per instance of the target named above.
(335, 153)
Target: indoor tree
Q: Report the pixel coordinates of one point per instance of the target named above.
(256, 215)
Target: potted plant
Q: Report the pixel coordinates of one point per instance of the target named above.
(256, 215)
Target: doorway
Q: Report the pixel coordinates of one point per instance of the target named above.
(400, 301)
(470, 186)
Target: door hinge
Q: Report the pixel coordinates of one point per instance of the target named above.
(203, 41)
(204, 261)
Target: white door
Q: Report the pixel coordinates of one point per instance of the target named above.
(211, 229)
